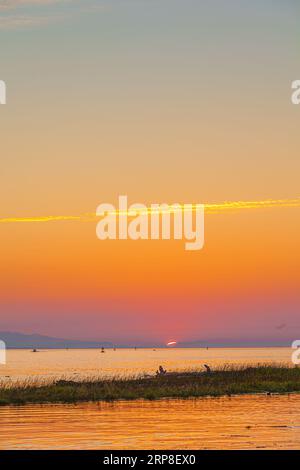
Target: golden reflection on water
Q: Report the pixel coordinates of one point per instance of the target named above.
(246, 422)
(79, 363)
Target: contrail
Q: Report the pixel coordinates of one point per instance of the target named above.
(210, 208)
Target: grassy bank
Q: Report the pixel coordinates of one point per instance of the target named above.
(225, 381)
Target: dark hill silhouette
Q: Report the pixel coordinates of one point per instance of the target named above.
(34, 341)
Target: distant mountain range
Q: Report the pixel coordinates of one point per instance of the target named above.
(22, 341)
(35, 341)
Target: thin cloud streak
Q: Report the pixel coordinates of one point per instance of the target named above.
(27, 14)
(224, 207)
(17, 14)
(21, 22)
(10, 4)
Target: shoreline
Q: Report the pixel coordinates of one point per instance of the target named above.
(226, 381)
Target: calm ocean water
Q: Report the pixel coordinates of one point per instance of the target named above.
(247, 422)
(81, 363)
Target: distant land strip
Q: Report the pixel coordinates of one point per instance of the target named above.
(224, 381)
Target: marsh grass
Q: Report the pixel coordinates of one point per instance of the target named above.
(225, 380)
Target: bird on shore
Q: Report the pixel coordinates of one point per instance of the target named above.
(161, 371)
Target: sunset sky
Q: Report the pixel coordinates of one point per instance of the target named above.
(170, 101)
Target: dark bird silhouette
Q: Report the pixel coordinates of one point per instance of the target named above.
(161, 371)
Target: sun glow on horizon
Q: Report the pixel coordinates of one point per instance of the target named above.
(171, 343)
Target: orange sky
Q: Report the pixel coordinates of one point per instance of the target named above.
(183, 103)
